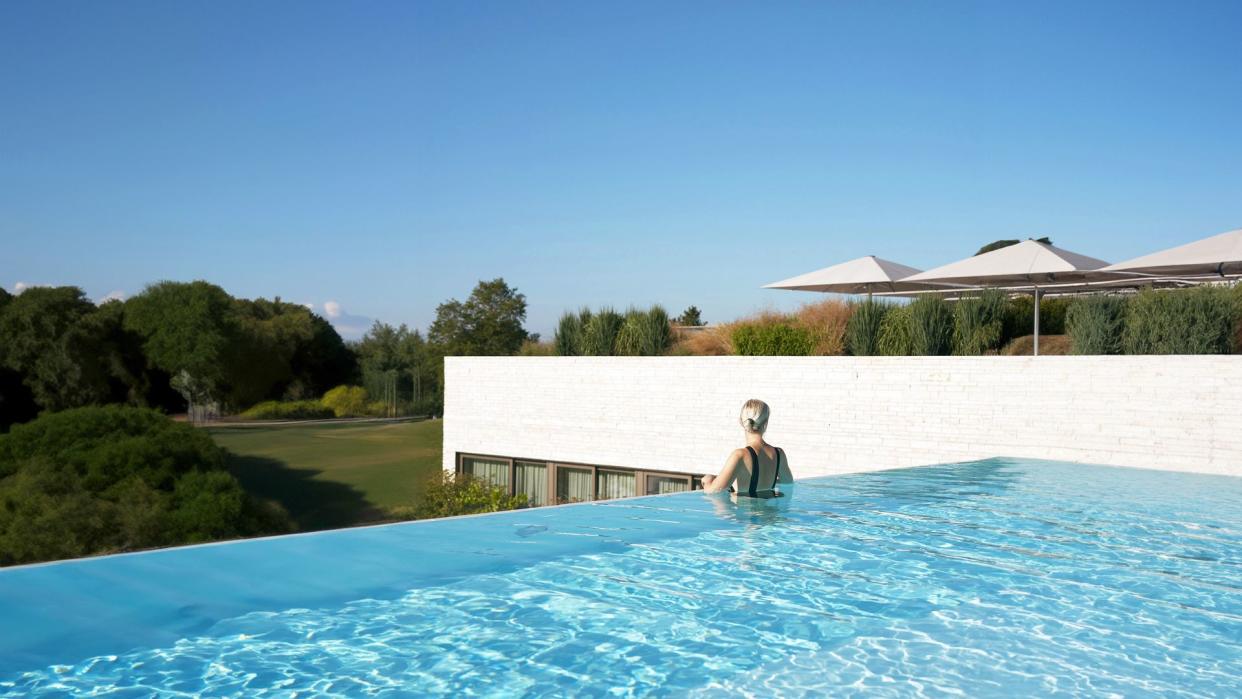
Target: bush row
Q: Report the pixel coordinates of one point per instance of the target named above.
(606, 332)
(1203, 320)
(931, 326)
(342, 401)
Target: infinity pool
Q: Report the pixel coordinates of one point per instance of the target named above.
(994, 578)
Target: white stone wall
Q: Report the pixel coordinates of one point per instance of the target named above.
(842, 414)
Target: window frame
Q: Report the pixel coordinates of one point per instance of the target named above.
(639, 479)
(549, 490)
(461, 465)
(687, 478)
(693, 480)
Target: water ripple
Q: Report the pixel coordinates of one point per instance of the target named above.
(998, 578)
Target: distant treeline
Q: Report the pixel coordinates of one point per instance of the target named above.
(182, 343)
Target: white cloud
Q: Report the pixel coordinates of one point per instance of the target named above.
(114, 295)
(21, 286)
(310, 307)
(350, 326)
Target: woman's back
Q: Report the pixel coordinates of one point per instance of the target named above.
(763, 468)
(756, 469)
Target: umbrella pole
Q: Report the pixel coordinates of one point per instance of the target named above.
(1036, 321)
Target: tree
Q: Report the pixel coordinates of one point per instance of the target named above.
(188, 330)
(47, 337)
(320, 362)
(691, 317)
(998, 244)
(17, 404)
(396, 359)
(236, 351)
(488, 323)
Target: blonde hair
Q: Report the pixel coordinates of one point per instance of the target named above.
(754, 416)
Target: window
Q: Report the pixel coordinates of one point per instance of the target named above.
(494, 471)
(548, 483)
(659, 485)
(615, 484)
(531, 478)
(573, 484)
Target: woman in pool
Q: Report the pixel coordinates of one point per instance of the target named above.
(758, 469)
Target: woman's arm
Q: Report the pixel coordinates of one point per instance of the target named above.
(722, 482)
(785, 476)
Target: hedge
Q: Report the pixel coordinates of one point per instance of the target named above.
(979, 323)
(931, 326)
(772, 339)
(894, 338)
(1188, 321)
(1094, 324)
(644, 333)
(862, 332)
(289, 410)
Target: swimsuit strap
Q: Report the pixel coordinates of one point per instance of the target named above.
(776, 477)
(754, 472)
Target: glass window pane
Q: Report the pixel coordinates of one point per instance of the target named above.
(658, 485)
(531, 478)
(616, 484)
(493, 471)
(573, 484)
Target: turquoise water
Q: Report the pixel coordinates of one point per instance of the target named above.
(995, 578)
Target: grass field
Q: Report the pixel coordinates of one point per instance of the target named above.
(330, 476)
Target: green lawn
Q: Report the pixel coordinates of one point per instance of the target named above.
(330, 476)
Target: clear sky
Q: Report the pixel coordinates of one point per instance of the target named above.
(386, 156)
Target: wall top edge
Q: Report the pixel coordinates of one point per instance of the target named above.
(1167, 359)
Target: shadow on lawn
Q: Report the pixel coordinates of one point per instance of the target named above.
(313, 504)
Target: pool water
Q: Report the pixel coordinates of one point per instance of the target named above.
(994, 578)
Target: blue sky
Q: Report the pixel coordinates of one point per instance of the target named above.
(386, 156)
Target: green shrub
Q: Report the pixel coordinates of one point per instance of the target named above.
(106, 479)
(772, 339)
(1184, 321)
(288, 410)
(599, 335)
(534, 348)
(1020, 316)
(448, 494)
(862, 330)
(644, 333)
(570, 331)
(894, 337)
(346, 401)
(978, 323)
(931, 326)
(1094, 324)
(1237, 317)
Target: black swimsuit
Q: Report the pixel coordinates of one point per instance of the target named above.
(753, 491)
